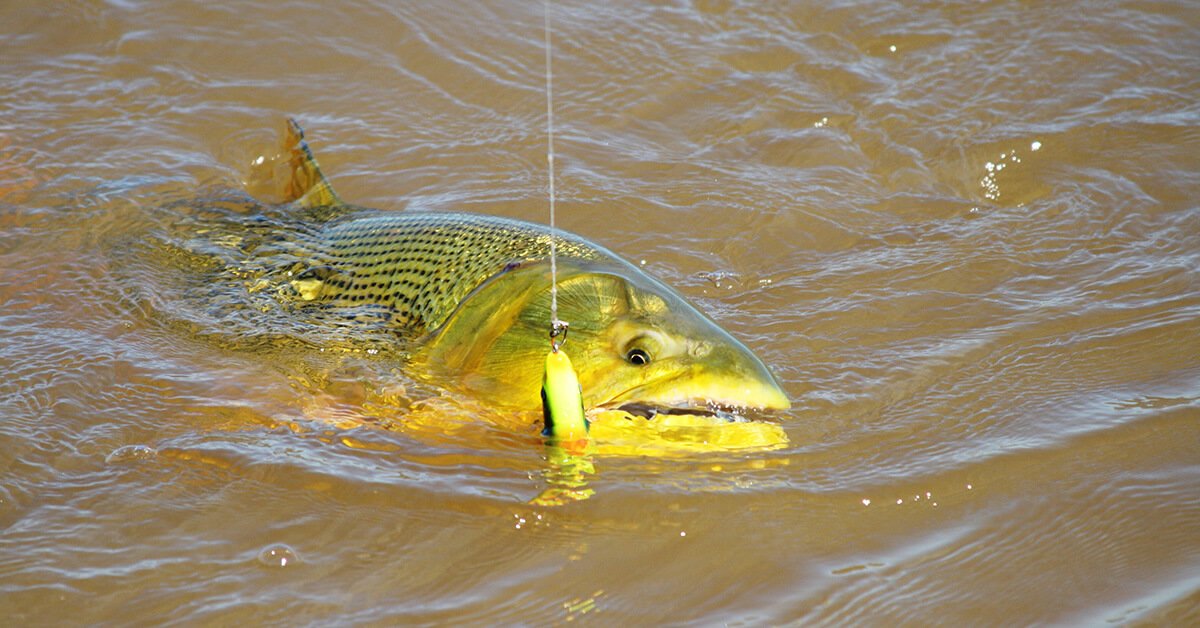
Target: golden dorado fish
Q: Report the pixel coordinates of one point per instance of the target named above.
(473, 294)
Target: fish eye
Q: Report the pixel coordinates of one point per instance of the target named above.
(638, 357)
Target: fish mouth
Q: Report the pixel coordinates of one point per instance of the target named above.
(661, 399)
(729, 414)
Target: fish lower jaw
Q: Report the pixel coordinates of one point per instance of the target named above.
(649, 411)
(648, 400)
(650, 408)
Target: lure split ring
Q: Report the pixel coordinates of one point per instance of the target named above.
(558, 328)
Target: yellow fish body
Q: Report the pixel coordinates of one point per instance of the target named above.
(473, 293)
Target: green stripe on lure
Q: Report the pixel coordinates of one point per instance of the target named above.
(562, 403)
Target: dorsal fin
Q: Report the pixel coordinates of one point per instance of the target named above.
(306, 186)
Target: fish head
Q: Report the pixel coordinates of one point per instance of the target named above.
(634, 342)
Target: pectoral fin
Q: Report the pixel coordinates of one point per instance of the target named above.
(314, 283)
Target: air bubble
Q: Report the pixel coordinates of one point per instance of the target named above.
(131, 453)
(278, 555)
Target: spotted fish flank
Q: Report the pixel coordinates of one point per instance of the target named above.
(421, 266)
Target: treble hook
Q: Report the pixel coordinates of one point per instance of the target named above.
(558, 328)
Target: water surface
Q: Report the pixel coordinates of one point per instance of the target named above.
(965, 235)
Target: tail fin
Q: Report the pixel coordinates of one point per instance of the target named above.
(306, 186)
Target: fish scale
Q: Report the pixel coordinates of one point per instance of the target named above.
(420, 266)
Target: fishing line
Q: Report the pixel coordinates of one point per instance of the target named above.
(565, 423)
(556, 326)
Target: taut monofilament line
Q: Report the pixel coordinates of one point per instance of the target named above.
(555, 324)
(562, 398)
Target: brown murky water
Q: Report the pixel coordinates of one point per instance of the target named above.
(966, 236)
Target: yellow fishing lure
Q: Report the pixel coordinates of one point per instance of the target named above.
(562, 403)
